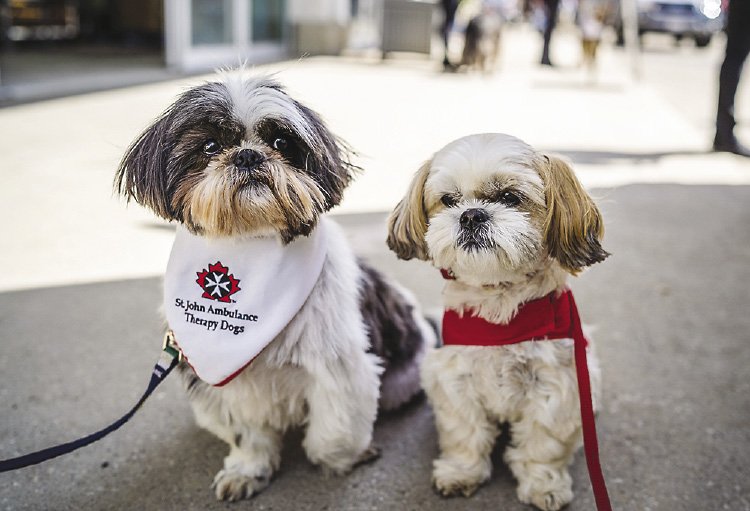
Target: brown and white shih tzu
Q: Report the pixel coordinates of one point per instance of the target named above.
(238, 159)
(507, 225)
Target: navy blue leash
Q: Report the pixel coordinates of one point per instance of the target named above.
(171, 356)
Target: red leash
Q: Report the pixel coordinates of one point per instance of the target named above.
(590, 441)
(549, 318)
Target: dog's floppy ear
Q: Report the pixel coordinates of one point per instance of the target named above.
(330, 164)
(142, 174)
(573, 228)
(407, 224)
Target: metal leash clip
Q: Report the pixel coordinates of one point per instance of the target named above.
(170, 346)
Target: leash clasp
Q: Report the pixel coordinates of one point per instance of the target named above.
(169, 345)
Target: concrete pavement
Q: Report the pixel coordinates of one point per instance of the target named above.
(79, 326)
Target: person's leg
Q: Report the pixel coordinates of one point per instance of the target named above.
(551, 7)
(738, 47)
(449, 10)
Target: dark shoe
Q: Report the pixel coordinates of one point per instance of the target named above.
(448, 67)
(731, 146)
(546, 62)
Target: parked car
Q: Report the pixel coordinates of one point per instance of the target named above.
(23, 20)
(696, 19)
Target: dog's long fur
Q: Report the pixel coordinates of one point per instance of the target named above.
(541, 226)
(358, 339)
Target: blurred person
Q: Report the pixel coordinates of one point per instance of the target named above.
(449, 11)
(550, 9)
(738, 47)
(536, 15)
(591, 17)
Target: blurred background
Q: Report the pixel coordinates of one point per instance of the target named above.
(56, 47)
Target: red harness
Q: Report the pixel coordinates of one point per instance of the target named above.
(545, 319)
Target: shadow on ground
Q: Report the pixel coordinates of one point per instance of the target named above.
(582, 157)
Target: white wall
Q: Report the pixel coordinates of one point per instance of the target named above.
(319, 11)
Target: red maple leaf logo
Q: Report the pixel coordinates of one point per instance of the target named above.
(217, 283)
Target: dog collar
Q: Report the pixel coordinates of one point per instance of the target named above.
(448, 274)
(552, 317)
(548, 318)
(227, 299)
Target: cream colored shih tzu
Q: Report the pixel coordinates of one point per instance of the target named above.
(506, 225)
(280, 324)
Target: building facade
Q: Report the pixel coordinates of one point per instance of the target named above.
(58, 47)
(201, 34)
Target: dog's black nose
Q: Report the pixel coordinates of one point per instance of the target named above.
(248, 159)
(473, 218)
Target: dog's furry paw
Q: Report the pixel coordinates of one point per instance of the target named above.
(342, 467)
(369, 455)
(548, 499)
(450, 480)
(232, 485)
(453, 488)
(548, 487)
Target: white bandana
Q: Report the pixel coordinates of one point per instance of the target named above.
(227, 299)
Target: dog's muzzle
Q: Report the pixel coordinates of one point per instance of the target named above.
(472, 219)
(248, 160)
(474, 230)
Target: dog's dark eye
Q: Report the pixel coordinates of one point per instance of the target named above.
(280, 144)
(509, 199)
(211, 147)
(448, 200)
(285, 143)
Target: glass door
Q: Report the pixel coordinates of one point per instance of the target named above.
(207, 34)
(267, 20)
(211, 22)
